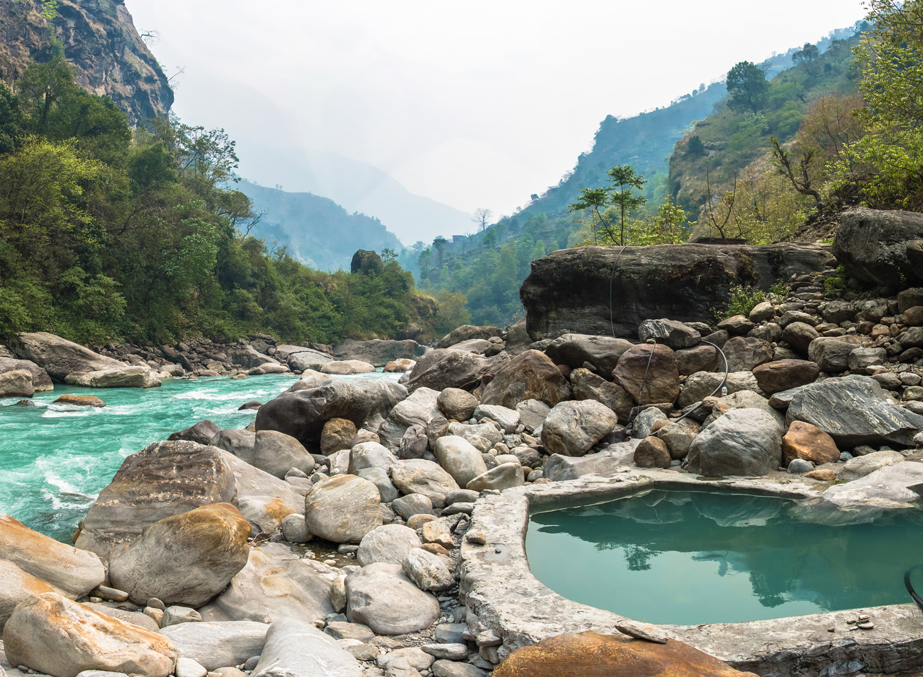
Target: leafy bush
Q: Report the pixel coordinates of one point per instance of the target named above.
(742, 299)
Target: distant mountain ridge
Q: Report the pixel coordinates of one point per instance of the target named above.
(317, 231)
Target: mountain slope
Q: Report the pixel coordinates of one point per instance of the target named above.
(317, 231)
(99, 40)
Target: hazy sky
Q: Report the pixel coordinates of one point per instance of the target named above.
(474, 104)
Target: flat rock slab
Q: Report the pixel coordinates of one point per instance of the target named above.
(218, 645)
(853, 411)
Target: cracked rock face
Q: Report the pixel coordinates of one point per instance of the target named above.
(100, 40)
(853, 411)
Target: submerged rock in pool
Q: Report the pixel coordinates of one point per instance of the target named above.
(80, 401)
(591, 655)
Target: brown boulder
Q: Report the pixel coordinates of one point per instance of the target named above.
(591, 655)
(699, 358)
(774, 377)
(799, 335)
(80, 401)
(652, 453)
(528, 376)
(810, 443)
(658, 374)
(743, 354)
(336, 435)
(913, 317)
(52, 635)
(589, 386)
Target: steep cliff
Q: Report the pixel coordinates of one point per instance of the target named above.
(99, 40)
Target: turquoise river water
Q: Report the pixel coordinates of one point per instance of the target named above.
(55, 459)
(699, 557)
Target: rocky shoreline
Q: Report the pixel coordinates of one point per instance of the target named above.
(325, 538)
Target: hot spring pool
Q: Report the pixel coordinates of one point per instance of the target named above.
(687, 557)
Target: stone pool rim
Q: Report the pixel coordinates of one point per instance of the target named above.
(507, 603)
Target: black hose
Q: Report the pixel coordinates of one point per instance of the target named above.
(611, 277)
(913, 595)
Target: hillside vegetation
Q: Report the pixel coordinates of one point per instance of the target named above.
(314, 230)
(108, 233)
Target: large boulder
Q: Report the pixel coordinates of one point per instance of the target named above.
(457, 404)
(119, 377)
(611, 290)
(671, 333)
(459, 458)
(185, 559)
(272, 452)
(853, 411)
(263, 499)
(274, 586)
(468, 332)
(832, 353)
(743, 354)
(591, 655)
(218, 645)
(342, 509)
(603, 352)
(741, 442)
(872, 245)
(378, 352)
(347, 367)
(774, 377)
(419, 476)
(164, 479)
(528, 376)
(418, 409)
(302, 414)
(52, 635)
(384, 598)
(31, 563)
(388, 543)
(306, 359)
(572, 428)
(499, 478)
(57, 356)
(589, 386)
(649, 373)
(41, 381)
(16, 383)
(202, 432)
(298, 649)
(248, 357)
(445, 368)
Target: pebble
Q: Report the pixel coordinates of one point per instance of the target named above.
(867, 625)
(451, 652)
(648, 633)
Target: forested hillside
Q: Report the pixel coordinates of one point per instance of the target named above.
(108, 233)
(314, 230)
(488, 268)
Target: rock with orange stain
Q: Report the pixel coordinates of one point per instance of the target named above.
(58, 637)
(165, 479)
(80, 401)
(263, 499)
(74, 571)
(185, 559)
(275, 586)
(31, 564)
(810, 443)
(591, 655)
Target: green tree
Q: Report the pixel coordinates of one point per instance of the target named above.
(620, 195)
(747, 87)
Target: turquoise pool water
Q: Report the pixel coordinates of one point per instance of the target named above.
(699, 557)
(55, 459)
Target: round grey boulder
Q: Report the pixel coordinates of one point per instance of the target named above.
(343, 509)
(384, 598)
(572, 428)
(389, 543)
(744, 442)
